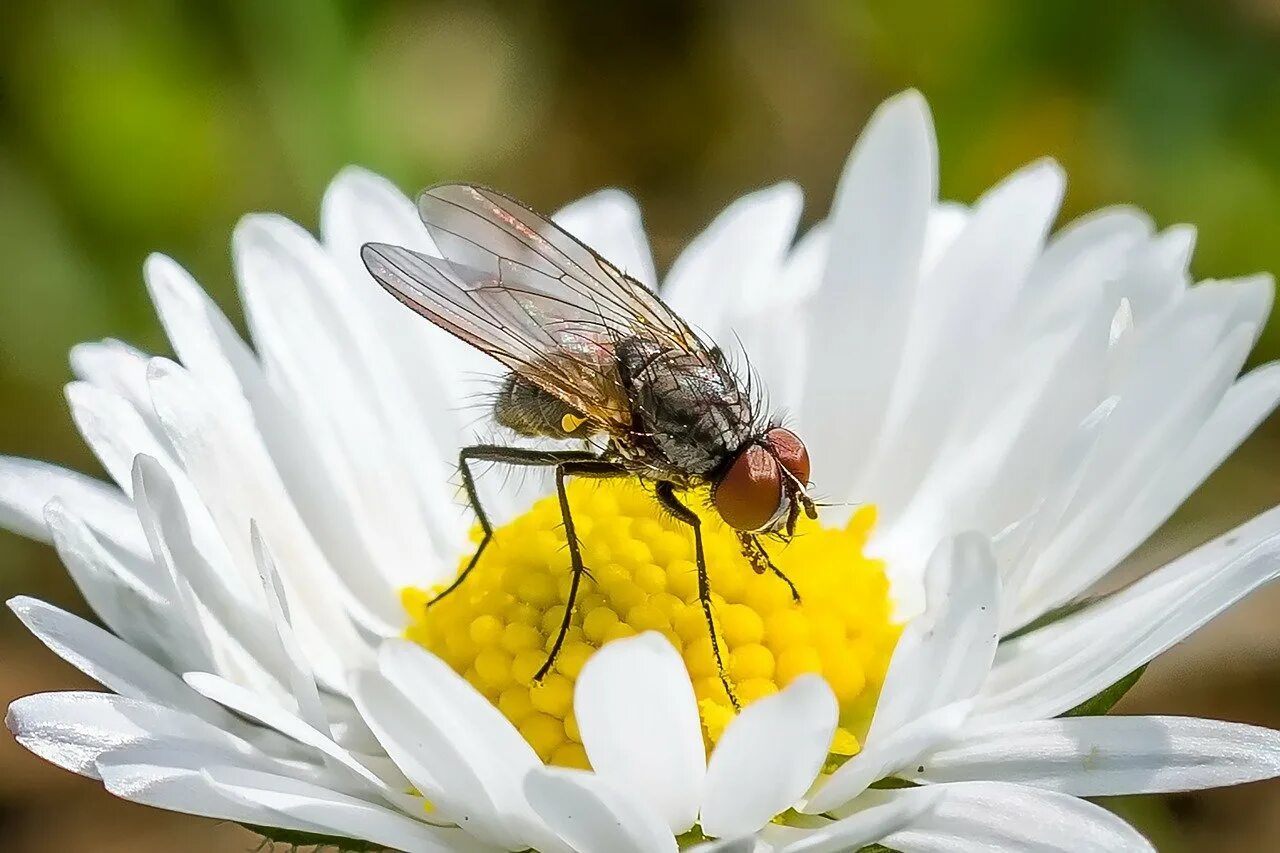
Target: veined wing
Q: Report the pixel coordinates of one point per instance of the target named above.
(486, 230)
(516, 286)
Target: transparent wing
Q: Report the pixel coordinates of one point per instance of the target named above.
(516, 286)
(486, 230)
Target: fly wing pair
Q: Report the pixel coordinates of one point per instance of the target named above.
(518, 287)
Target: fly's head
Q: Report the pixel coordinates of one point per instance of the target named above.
(764, 488)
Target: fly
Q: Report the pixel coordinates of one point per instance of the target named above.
(593, 354)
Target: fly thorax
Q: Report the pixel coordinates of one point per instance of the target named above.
(692, 413)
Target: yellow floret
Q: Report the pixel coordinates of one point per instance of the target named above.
(499, 625)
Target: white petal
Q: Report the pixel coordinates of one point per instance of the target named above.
(173, 779)
(734, 265)
(978, 817)
(860, 315)
(228, 625)
(320, 350)
(454, 744)
(1242, 408)
(200, 333)
(609, 222)
(1049, 671)
(301, 680)
(26, 486)
(747, 844)
(116, 367)
(237, 480)
(337, 814)
(113, 429)
(887, 755)
(132, 596)
(111, 662)
(74, 730)
(498, 754)
(944, 654)
(439, 373)
(429, 681)
(961, 308)
(592, 816)
(639, 686)
(871, 817)
(768, 757)
(273, 716)
(1109, 756)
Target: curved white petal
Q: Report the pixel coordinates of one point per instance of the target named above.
(978, 817)
(1139, 434)
(74, 730)
(944, 655)
(870, 818)
(592, 816)
(328, 361)
(768, 757)
(238, 481)
(336, 814)
(885, 756)
(639, 686)
(437, 373)
(1046, 672)
(133, 596)
(203, 338)
(27, 486)
(961, 307)
(116, 367)
(1242, 408)
(437, 767)
(1107, 756)
(111, 662)
(173, 778)
(426, 708)
(859, 317)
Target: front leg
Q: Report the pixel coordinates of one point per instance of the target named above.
(667, 498)
(760, 561)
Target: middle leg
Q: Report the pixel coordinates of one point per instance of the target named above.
(598, 469)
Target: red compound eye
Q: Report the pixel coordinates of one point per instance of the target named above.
(790, 452)
(749, 496)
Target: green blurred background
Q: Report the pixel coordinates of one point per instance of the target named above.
(153, 125)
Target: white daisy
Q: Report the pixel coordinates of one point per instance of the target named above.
(280, 512)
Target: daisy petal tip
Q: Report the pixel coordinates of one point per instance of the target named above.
(160, 271)
(908, 102)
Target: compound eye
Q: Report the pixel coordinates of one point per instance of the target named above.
(750, 496)
(790, 452)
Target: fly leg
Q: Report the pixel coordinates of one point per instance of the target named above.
(759, 560)
(667, 498)
(591, 467)
(517, 456)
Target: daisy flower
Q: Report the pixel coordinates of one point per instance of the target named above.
(996, 418)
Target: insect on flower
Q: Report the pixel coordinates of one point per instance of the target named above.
(596, 356)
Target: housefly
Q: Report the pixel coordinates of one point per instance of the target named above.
(594, 355)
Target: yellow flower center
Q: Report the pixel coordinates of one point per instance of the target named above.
(498, 626)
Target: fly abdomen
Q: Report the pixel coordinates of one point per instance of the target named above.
(526, 409)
